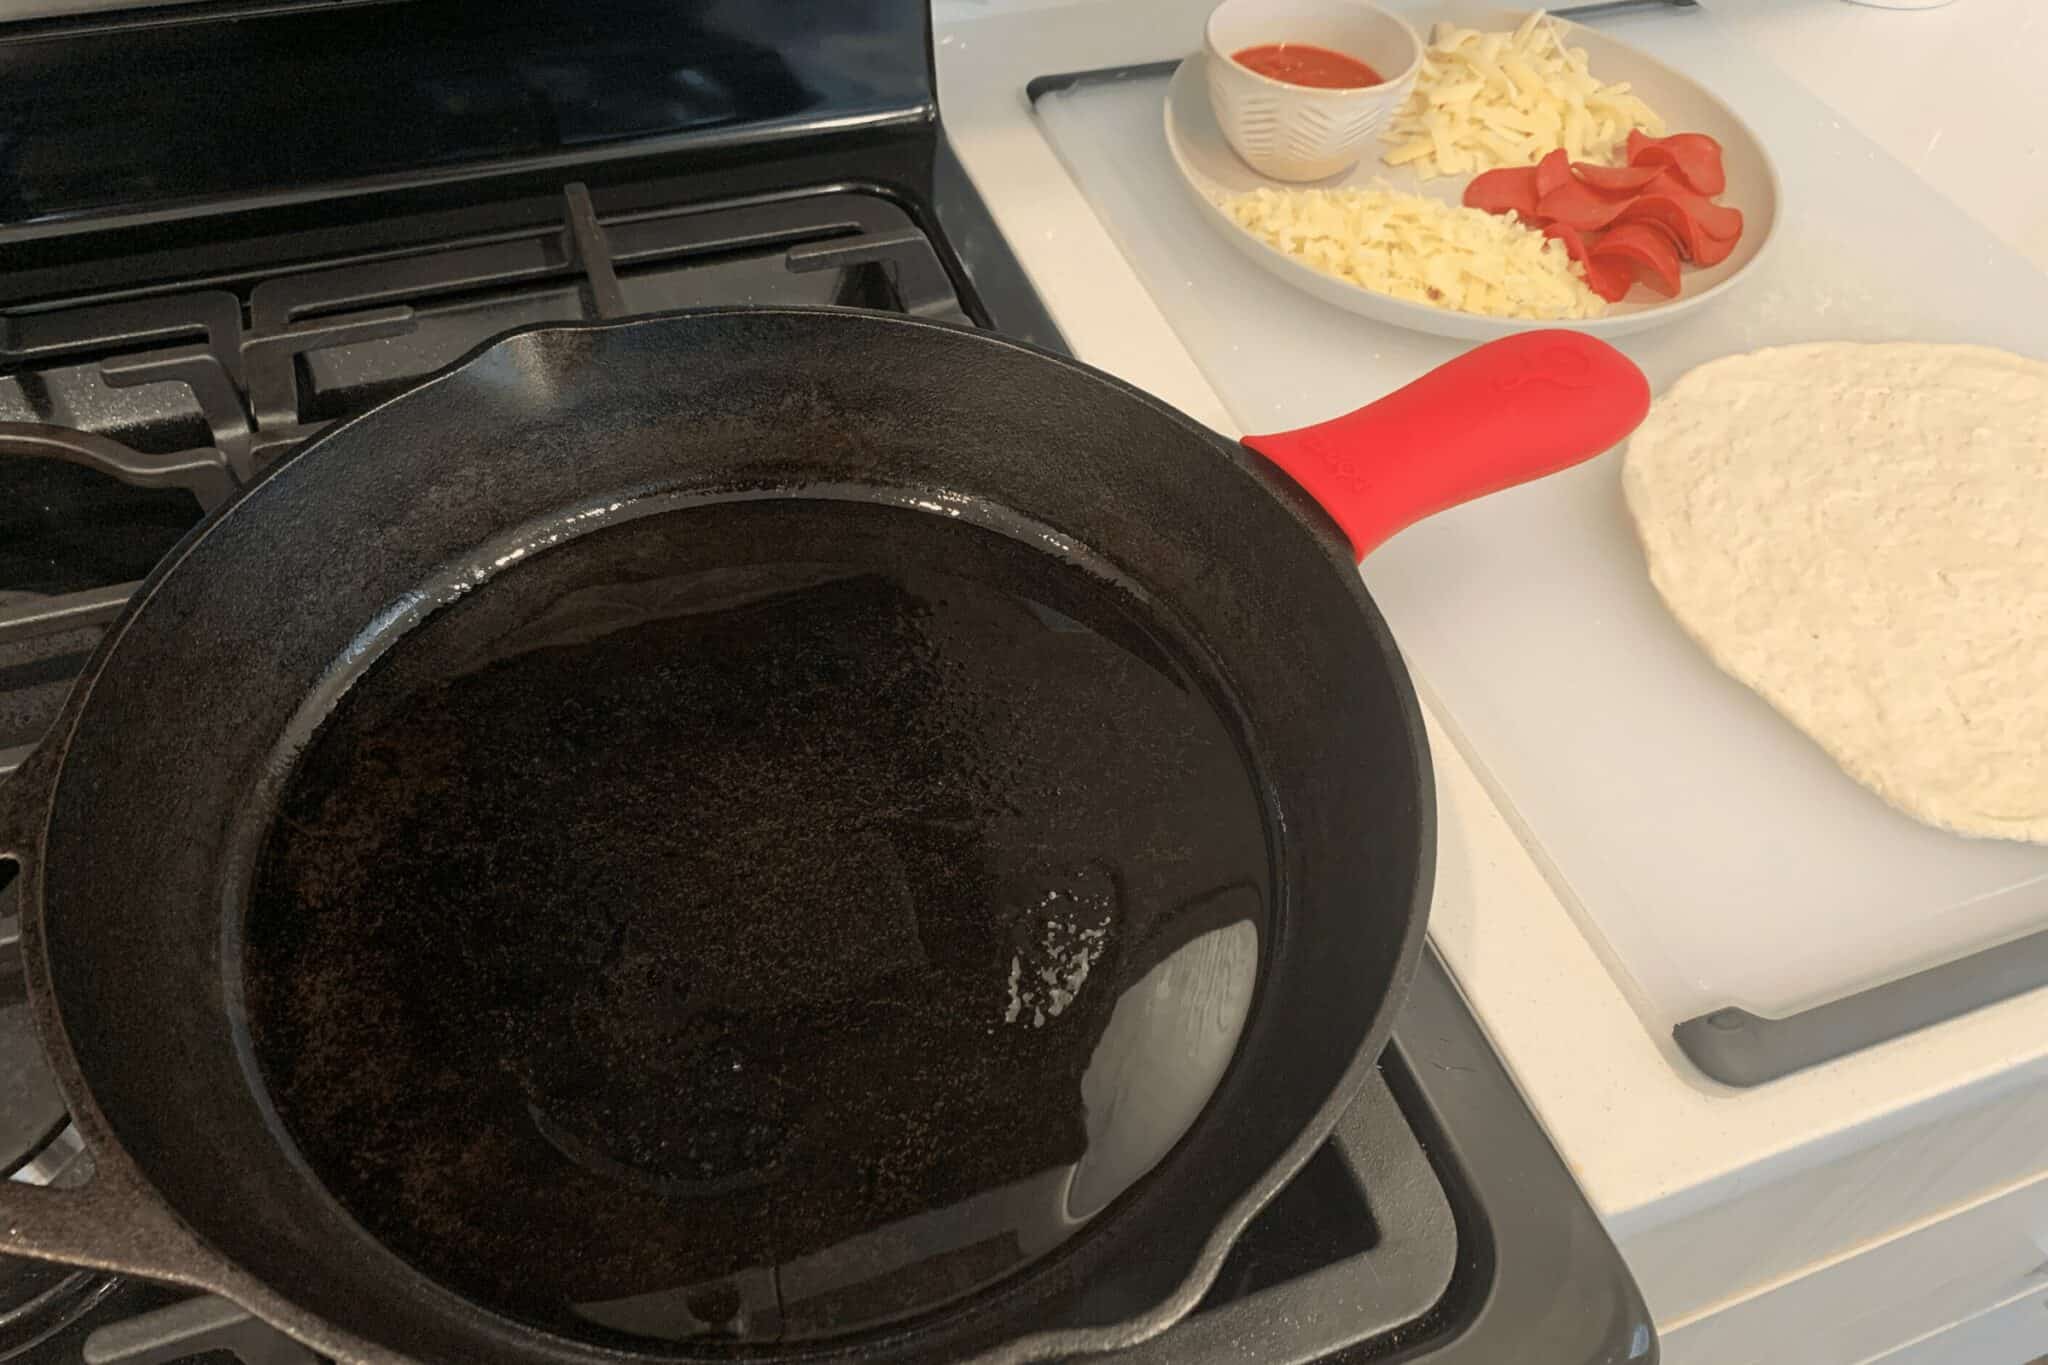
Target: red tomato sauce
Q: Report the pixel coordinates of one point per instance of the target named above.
(1306, 64)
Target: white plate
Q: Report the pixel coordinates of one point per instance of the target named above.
(1213, 171)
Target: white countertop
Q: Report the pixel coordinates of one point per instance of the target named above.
(1952, 92)
(1949, 92)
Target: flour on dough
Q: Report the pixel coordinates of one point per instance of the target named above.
(1860, 534)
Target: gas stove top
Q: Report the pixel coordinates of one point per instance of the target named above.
(159, 350)
(122, 422)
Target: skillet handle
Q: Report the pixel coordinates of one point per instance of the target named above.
(111, 1220)
(1501, 414)
(108, 1223)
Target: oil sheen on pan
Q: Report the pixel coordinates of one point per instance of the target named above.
(760, 922)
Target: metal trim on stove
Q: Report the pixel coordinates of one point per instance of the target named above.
(81, 18)
(195, 1327)
(1538, 1278)
(1006, 295)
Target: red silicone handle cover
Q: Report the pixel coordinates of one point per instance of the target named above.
(1501, 414)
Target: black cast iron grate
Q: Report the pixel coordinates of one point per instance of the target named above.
(152, 409)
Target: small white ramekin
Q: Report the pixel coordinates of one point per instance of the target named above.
(1297, 132)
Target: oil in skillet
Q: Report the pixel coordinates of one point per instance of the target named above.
(678, 939)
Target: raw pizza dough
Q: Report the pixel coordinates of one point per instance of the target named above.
(1860, 534)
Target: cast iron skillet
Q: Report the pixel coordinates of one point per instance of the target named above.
(130, 822)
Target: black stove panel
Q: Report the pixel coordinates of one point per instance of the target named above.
(122, 118)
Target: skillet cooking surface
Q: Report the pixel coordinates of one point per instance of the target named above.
(771, 919)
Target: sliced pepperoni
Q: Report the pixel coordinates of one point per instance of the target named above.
(1624, 223)
(1662, 211)
(1714, 250)
(1666, 181)
(1716, 220)
(1610, 279)
(1644, 248)
(1705, 232)
(1694, 156)
(1508, 189)
(1576, 206)
(1669, 234)
(1614, 179)
(1574, 240)
(1609, 282)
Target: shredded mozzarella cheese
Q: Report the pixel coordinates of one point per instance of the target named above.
(1418, 249)
(1483, 100)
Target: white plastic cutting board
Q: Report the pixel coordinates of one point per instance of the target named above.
(1717, 855)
